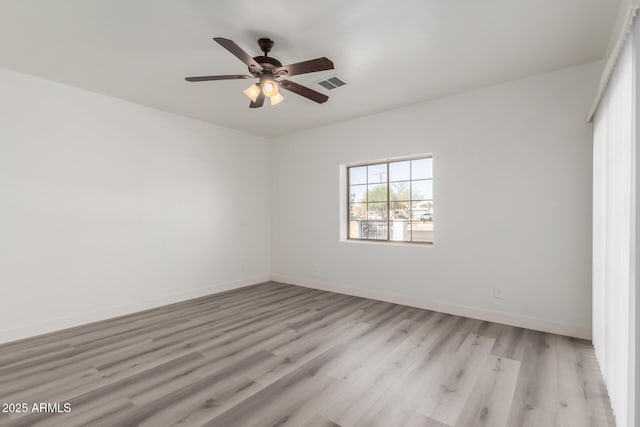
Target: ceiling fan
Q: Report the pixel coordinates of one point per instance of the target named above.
(269, 70)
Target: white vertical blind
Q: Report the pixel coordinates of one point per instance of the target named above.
(614, 216)
(628, 11)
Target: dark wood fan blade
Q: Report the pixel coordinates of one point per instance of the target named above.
(303, 91)
(311, 66)
(207, 78)
(259, 101)
(239, 53)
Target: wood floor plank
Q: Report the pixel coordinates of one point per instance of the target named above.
(43, 391)
(424, 362)
(446, 400)
(320, 421)
(167, 404)
(419, 420)
(594, 387)
(149, 316)
(405, 353)
(578, 403)
(387, 336)
(536, 400)
(94, 394)
(486, 405)
(374, 392)
(416, 379)
(280, 355)
(307, 349)
(290, 401)
(89, 417)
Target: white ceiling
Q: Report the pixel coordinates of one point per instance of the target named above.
(390, 53)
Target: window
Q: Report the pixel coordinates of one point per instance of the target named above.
(391, 201)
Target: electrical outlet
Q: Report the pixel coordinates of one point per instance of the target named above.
(497, 293)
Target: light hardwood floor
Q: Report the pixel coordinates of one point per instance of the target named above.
(276, 355)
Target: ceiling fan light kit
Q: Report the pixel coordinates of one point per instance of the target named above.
(276, 99)
(268, 70)
(252, 92)
(269, 86)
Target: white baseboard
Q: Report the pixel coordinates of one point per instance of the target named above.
(27, 331)
(576, 331)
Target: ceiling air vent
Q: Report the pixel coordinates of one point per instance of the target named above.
(331, 83)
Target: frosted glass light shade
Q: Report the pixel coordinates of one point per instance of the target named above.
(270, 88)
(252, 92)
(276, 99)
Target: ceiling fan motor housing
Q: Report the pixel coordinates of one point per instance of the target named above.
(268, 63)
(265, 45)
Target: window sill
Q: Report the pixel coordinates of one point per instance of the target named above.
(387, 242)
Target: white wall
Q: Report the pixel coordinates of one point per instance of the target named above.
(108, 207)
(512, 196)
(99, 198)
